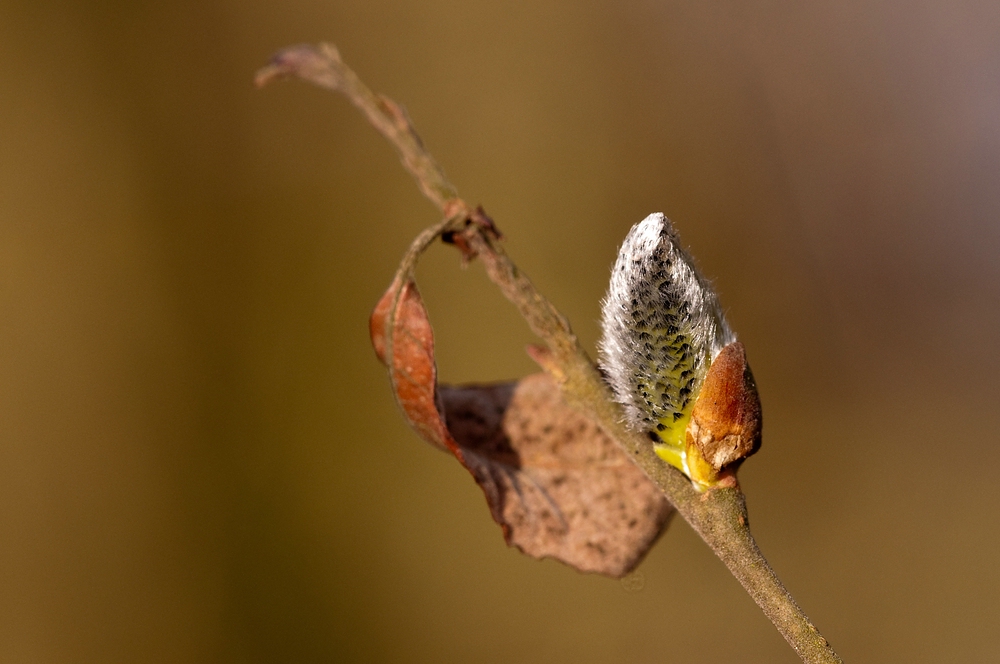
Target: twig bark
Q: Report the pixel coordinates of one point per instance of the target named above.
(718, 515)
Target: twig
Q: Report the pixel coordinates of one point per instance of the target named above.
(718, 515)
(324, 67)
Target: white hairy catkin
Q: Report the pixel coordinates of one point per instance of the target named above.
(662, 327)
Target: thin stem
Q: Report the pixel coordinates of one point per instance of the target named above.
(720, 518)
(323, 67)
(718, 515)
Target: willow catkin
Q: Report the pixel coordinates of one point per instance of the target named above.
(662, 328)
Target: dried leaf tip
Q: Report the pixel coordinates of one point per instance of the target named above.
(662, 328)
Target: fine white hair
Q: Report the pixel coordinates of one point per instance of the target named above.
(662, 327)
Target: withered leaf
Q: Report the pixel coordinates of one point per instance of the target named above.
(557, 485)
(554, 481)
(412, 369)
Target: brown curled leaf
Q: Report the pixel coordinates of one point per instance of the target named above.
(404, 342)
(556, 484)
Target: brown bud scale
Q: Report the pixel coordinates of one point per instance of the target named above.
(725, 424)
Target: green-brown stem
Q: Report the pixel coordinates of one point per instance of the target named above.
(718, 515)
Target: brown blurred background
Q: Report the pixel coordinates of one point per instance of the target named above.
(200, 460)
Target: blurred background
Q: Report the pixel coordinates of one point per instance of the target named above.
(200, 460)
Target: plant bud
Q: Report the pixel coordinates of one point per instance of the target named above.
(671, 358)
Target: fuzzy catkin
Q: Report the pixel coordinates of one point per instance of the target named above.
(661, 328)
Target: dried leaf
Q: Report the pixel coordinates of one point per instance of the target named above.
(556, 484)
(554, 481)
(404, 342)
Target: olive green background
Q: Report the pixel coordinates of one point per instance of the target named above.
(200, 460)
